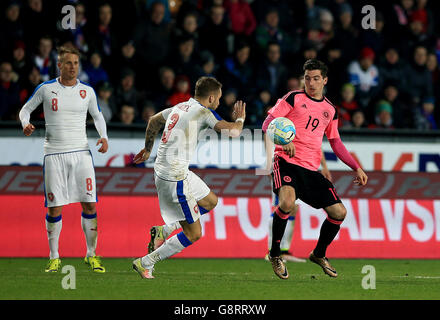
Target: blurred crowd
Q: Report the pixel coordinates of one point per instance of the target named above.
(142, 56)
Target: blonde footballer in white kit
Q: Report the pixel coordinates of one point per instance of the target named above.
(69, 174)
(183, 196)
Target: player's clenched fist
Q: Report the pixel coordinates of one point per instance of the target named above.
(142, 156)
(289, 149)
(28, 129)
(361, 178)
(104, 146)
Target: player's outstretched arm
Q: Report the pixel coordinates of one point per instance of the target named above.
(235, 128)
(155, 124)
(342, 153)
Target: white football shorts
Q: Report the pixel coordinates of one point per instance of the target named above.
(178, 199)
(69, 177)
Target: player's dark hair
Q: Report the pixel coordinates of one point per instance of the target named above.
(314, 64)
(205, 86)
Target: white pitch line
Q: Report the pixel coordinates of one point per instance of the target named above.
(418, 277)
(194, 273)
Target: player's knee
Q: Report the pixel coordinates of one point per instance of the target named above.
(343, 213)
(89, 207)
(288, 205)
(194, 236)
(54, 211)
(336, 211)
(211, 202)
(340, 213)
(214, 202)
(197, 237)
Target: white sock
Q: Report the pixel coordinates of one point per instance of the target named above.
(169, 229)
(53, 228)
(172, 246)
(269, 234)
(89, 225)
(288, 233)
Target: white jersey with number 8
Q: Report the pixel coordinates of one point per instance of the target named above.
(65, 114)
(68, 170)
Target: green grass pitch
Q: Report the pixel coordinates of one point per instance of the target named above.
(215, 279)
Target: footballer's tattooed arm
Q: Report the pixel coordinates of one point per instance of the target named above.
(155, 124)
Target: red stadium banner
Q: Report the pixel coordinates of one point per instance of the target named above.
(231, 183)
(397, 216)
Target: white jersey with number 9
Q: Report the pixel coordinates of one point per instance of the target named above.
(183, 124)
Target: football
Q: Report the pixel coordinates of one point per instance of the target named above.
(281, 131)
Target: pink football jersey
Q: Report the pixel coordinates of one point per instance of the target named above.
(312, 118)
